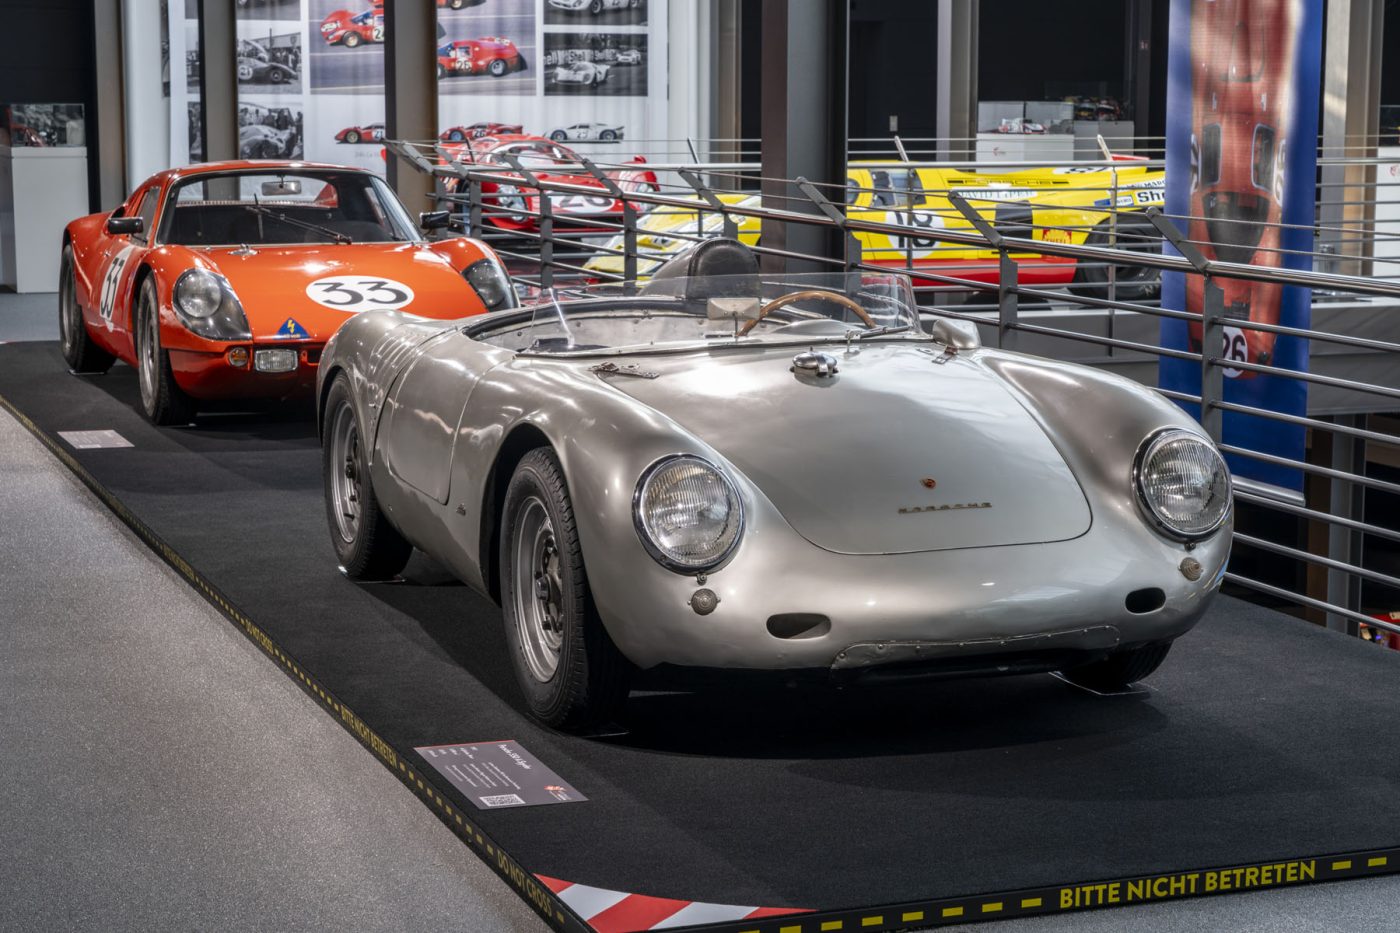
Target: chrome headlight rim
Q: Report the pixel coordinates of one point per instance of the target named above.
(639, 524)
(183, 282)
(1149, 446)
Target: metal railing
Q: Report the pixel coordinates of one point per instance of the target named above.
(1080, 288)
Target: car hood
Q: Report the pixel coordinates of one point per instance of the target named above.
(272, 284)
(898, 453)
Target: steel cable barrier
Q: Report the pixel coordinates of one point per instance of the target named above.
(1055, 259)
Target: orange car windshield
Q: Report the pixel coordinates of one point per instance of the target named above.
(283, 208)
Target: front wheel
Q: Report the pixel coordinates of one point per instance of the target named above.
(82, 354)
(1119, 669)
(352, 137)
(571, 673)
(559, 136)
(368, 547)
(351, 40)
(1135, 233)
(162, 398)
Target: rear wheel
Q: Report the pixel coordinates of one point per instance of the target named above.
(161, 397)
(498, 67)
(1120, 669)
(368, 547)
(571, 673)
(1135, 233)
(82, 354)
(608, 135)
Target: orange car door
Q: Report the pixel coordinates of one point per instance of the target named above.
(116, 268)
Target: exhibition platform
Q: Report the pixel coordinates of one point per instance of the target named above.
(1250, 760)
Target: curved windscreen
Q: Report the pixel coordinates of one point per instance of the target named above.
(676, 312)
(283, 207)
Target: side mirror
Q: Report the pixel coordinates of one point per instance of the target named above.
(435, 220)
(125, 226)
(954, 332)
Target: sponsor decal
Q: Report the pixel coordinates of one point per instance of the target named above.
(355, 293)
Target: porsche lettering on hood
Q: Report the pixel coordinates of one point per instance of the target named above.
(956, 420)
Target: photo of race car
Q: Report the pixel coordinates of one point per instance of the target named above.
(457, 134)
(373, 133)
(606, 132)
(514, 206)
(353, 29)
(225, 280)
(258, 71)
(593, 6)
(486, 55)
(1056, 205)
(258, 141)
(582, 73)
(595, 12)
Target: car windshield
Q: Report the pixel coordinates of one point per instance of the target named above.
(541, 154)
(293, 207)
(707, 310)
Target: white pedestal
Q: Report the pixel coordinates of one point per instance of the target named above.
(1025, 147)
(41, 190)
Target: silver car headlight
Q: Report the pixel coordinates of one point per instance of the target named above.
(509, 198)
(206, 305)
(688, 513)
(1182, 484)
(491, 284)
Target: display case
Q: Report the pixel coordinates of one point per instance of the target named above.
(43, 125)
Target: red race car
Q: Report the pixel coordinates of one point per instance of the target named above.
(226, 279)
(351, 29)
(516, 207)
(459, 134)
(487, 55)
(1238, 136)
(373, 133)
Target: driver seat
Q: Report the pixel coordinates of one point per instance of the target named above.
(701, 264)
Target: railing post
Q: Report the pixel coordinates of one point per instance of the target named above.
(474, 206)
(629, 219)
(546, 217)
(1008, 273)
(852, 249)
(731, 229)
(1212, 326)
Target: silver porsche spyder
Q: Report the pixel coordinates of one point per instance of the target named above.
(722, 469)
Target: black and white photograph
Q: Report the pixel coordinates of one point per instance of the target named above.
(595, 12)
(270, 130)
(45, 125)
(195, 129)
(595, 64)
(268, 9)
(269, 61)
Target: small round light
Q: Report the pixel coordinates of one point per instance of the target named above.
(238, 357)
(1183, 484)
(198, 294)
(688, 513)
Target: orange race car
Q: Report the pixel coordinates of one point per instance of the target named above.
(225, 280)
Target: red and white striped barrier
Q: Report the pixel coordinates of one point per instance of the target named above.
(619, 912)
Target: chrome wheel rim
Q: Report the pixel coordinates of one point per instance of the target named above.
(150, 341)
(539, 590)
(346, 473)
(67, 306)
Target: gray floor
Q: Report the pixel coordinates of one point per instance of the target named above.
(158, 773)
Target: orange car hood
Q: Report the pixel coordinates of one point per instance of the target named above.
(275, 284)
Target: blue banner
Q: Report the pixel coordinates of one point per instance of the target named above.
(1242, 101)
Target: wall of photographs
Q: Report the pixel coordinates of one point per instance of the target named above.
(311, 75)
(180, 68)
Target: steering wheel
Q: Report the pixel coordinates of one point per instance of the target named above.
(818, 294)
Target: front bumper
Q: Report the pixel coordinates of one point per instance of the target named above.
(211, 375)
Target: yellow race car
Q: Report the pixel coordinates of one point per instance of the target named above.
(1070, 204)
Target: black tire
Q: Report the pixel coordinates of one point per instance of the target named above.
(1136, 233)
(1121, 668)
(559, 136)
(457, 4)
(351, 40)
(608, 136)
(164, 402)
(366, 544)
(353, 136)
(589, 680)
(82, 354)
(595, 7)
(456, 136)
(497, 67)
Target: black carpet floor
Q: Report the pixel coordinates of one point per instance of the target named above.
(1262, 738)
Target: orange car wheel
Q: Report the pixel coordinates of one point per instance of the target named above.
(82, 354)
(164, 401)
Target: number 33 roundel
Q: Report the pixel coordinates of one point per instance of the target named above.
(355, 293)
